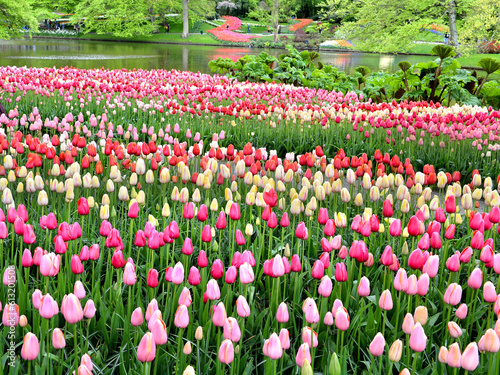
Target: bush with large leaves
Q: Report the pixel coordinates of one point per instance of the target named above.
(442, 80)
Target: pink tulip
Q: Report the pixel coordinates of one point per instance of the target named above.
(443, 354)
(431, 266)
(342, 321)
(418, 340)
(187, 246)
(340, 272)
(303, 354)
(219, 317)
(58, 340)
(310, 310)
(475, 279)
(401, 280)
(231, 275)
(284, 338)
(226, 352)
(234, 211)
(221, 221)
(377, 345)
(491, 341)
(206, 234)
(328, 319)
(232, 330)
(71, 309)
(454, 357)
(454, 329)
(136, 319)
(159, 331)
(364, 287)
(49, 264)
(178, 274)
(282, 313)
(89, 310)
(246, 273)
(185, 297)
(213, 291)
(48, 307)
(242, 307)
(453, 294)
(470, 357)
(79, 290)
(194, 277)
(385, 300)
(129, 276)
(146, 351)
(423, 284)
(152, 307)
(30, 348)
(325, 287)
(489, 292)
(181, 317)
(307, 332)
(301, 231)
(461, 312)
(27, 259)
(386, 258)
(408, 323)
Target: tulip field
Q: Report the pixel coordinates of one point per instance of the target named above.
(167, 222)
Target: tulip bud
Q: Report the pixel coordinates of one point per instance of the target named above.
(396, 351)
(187, 348)
(199, 333)
(334, 368)
(306, 368)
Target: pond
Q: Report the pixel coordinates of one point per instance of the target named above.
(117, 55)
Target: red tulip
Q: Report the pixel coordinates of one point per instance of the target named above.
(83, 206)
(76, 265)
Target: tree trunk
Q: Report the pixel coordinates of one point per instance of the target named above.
(276, 19)
(185, 19)
(152, 17)
(452, 20)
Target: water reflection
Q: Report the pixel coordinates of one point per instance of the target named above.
(118, 55)
(386, 62)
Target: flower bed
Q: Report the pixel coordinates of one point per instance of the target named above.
(336, 44)
(147, 222)
(300, 25)
(228, 34)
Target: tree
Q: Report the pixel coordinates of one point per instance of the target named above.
(185, 19)
(276, 12)
(452, 22)
(481, 25)
(14, 15)
(192, 11)
(392, 25)
(339, 10)
(118, 17)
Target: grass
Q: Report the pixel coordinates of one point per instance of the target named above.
(427, 36)
(473, 60)
(421, 48)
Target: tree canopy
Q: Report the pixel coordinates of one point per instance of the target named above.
(15, 15)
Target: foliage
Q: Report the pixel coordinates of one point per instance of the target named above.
(339, 10)
(441, 80)
(14, 15)
(390, 25)
(481, 26)
(118, 17)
